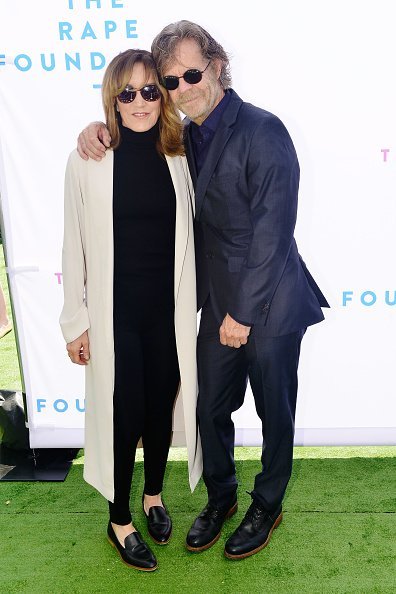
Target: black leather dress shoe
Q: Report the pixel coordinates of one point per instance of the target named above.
(253, 533)
(159, 524)
(206, 529)
(136, 553)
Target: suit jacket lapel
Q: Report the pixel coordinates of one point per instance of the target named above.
(190, 153)
(221, 137)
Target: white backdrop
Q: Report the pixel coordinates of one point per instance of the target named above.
(326, 69)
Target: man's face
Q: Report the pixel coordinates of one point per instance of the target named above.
(196, 101)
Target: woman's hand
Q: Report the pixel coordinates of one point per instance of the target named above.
(93, 141)
(78, 350)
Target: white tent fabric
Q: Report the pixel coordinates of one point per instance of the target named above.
(326, 70)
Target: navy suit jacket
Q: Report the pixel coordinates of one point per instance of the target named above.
(246, 206)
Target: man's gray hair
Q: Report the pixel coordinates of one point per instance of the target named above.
(164, 45)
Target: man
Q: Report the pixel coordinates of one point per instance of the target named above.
(256, 294)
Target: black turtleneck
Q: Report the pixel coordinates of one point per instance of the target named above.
(144, 213)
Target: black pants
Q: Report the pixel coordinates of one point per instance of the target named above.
(271, 366)
(146, 383)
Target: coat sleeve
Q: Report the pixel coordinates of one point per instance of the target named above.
(74, 319)
(273, 178)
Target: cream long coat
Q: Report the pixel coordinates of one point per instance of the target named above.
(88, 305)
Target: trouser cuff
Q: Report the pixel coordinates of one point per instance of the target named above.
(122, 517)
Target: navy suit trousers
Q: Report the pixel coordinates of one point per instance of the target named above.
(271, 365)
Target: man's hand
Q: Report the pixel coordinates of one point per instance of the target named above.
(78, 350)
(232, 333)
(93, 141)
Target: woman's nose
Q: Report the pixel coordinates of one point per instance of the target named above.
(139, 99)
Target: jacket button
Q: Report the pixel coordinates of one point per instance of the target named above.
(265, 307)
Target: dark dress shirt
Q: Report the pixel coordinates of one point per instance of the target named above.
(203, 135)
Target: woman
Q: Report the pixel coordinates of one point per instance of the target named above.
(129, 313)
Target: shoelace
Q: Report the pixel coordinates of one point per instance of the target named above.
(210, 510)
(255, 512)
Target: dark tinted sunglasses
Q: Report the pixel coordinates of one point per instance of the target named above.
(192, 77)
(148, 92)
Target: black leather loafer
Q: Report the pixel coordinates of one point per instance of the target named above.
(206, 529)
(159, 524)
(136, 553)
(253, 533)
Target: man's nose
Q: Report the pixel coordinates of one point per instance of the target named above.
(183, 85)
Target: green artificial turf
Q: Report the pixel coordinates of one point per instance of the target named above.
(338, 533)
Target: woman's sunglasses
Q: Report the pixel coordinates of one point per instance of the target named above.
(192, 77)
(148, 92)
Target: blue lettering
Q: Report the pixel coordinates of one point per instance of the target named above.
(102, 59)
(78, 406)
(62, 404)
(41, 404)
(371, 294)
(75, 62)
(2, 57)
(130, 28)
(20, 66)
(43, 64)
(110, 26)
(387, 298)
(346, 296)
(114, 4)
(88, 32)
(64, 29)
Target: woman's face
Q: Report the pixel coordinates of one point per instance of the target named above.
(139, 115)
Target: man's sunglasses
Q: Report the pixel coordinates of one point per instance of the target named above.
(148, 92)
(192, 77)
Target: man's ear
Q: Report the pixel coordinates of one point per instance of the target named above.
(217, 65)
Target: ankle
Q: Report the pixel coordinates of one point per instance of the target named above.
(151, 501)
(122, 531)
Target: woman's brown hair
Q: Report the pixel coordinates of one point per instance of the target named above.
(116, 78)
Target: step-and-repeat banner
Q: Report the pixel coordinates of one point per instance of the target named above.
(326, 69)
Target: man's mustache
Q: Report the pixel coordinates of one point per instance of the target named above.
(187, 96)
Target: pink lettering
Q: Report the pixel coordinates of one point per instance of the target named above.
(385, 154)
